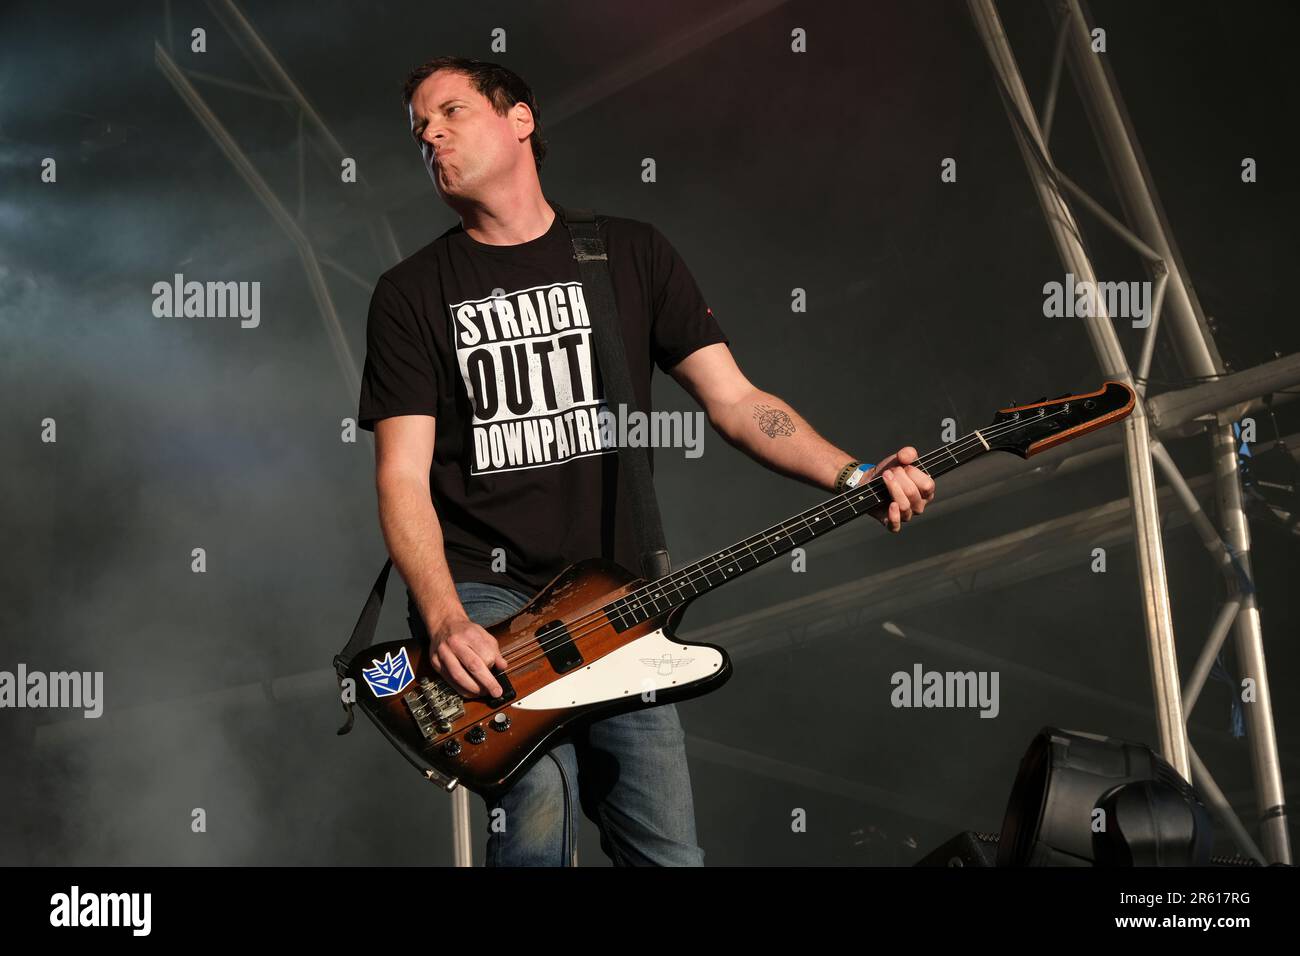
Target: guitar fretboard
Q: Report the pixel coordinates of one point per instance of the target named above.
(657, 597)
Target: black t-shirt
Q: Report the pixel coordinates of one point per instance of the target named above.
(494, 342)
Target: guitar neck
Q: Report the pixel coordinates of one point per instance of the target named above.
(655, 598)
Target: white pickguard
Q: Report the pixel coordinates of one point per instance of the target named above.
(653, 662)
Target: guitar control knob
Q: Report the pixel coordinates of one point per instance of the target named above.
(501, 722)
(476, 735)
(451, 748)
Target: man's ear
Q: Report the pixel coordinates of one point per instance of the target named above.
(523, 119)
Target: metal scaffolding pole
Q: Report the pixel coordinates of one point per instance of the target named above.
(306, 251)
(295, 100)
(1198, 355)
(1162, 654)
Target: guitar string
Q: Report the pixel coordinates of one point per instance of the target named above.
(848, 499)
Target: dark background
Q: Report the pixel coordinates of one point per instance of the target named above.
(775, 171)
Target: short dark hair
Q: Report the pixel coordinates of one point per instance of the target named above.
(502, 87)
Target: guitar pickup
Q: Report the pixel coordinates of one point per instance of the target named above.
(560, 648)
(507, 690)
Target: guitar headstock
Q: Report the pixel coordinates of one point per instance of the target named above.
(1026, 430)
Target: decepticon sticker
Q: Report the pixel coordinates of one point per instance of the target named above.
(389, 676)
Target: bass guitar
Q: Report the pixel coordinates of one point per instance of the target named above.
(597, 640)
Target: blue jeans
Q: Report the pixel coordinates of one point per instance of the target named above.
(628, 771)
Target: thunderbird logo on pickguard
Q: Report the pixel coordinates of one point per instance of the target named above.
(389, 676)
(666, 664)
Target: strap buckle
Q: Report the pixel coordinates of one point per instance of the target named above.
(588, 249)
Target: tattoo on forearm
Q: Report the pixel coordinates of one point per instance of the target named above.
(773, 422)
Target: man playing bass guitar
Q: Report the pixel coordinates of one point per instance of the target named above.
(476, 338)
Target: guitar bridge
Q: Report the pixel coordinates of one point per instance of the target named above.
(434, 706)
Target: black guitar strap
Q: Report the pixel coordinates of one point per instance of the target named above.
(363, 635)
(598, 289)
